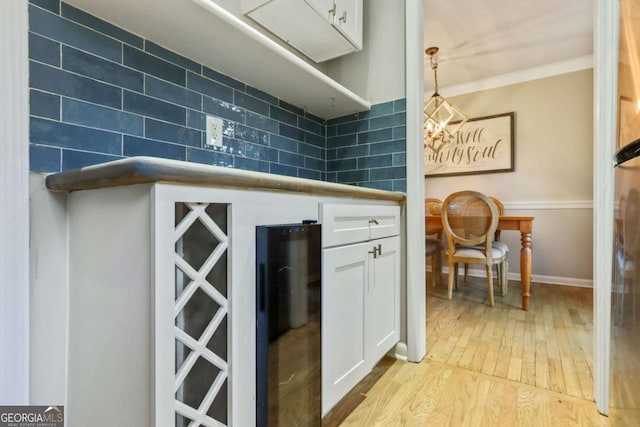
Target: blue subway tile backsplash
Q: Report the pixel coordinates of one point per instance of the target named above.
(99, 93)
(88, 65)
(64, 135)
(72, 159)
(50, 5)
(369, 149)
(67, 32)
(96, 116)
(152, 107)
(100, 26)
(149, 64)
(133, 146)
(59, 82)
(44, 104)
(44, 159)
(44, 50)
(172, 57)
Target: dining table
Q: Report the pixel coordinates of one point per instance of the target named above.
(524, 224)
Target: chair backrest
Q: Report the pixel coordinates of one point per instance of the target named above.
(499, 205)
(432, 205)
(469, 218)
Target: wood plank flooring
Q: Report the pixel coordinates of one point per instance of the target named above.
(493, 366)
(549, 346)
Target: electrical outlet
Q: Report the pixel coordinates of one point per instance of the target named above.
(214, 132)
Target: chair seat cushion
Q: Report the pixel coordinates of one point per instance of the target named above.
(500, 245)
(497, 245)
(478, 253)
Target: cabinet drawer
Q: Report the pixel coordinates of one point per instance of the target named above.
(344, 224)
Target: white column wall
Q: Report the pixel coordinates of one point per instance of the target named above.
(14, 204)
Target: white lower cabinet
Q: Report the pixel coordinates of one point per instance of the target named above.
(148, 319)
(161, 303)
(360, 312)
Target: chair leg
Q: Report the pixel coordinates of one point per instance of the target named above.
(450, 280)
(438, 258)
(490, 284)
(505, 277)
(466, 271)
(435, 269)
(455, 274)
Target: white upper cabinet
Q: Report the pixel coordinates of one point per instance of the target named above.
(320, 29)
(348, 20)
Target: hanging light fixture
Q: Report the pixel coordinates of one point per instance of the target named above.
(438, 113)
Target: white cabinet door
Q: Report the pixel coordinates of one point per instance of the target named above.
(360, 312)
(383, 302)
(345, 279)
(348, 20)
(323, 8)
(309, 26)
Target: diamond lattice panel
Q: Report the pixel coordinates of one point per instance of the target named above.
(200, 312)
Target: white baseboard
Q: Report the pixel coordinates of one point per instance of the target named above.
(399, 352)
(556, 280)
(535, 278)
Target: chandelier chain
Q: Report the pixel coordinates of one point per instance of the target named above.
(434, 67)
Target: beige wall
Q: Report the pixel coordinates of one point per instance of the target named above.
(553, 171)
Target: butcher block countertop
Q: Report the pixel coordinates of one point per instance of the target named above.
(147, 170)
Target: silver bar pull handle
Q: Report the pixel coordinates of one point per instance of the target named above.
(343, 18)
(332, 11)
(373, 221)
(377, 250)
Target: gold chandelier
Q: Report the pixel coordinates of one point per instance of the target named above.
(439, 113)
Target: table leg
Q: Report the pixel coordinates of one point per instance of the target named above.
(525, 267)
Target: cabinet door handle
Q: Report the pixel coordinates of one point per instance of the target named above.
(332, 11)
(343, 18)
(376, 250)
(373, 221)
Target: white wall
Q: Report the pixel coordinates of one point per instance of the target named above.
(553, 171)
(48, 289)
(377, 73)
(14, 202)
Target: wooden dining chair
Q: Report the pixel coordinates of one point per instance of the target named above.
(433, 243)
(470, 220)
(500, 245)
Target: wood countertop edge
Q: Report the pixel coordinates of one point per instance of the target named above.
(148, 170)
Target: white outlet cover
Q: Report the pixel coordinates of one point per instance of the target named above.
(214, 132)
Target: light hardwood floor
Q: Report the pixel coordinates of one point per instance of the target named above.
(492, 366)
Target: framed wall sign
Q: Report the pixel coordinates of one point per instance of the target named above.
(483, 145)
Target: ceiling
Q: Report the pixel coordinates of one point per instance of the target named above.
(488, 38)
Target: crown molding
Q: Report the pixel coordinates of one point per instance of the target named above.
(541, 72)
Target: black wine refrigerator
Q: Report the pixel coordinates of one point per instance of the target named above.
(288, 344)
